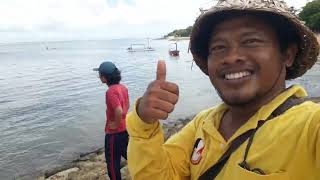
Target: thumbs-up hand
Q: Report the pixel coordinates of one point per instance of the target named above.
(160, 97)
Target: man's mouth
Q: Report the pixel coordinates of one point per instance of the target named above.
(237, 75)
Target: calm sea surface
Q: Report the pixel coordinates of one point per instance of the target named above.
(52, 103)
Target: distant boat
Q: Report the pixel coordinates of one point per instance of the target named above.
(47, 47)
(174, 52)
(140, 47)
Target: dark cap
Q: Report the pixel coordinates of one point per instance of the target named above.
(106, 68)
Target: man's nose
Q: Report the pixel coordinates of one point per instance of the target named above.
(234, 55)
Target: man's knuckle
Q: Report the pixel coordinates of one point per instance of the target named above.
(175, 99)
(171, 108)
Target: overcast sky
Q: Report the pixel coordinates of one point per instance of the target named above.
(37, 20)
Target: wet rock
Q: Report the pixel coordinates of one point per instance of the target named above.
(89, 157)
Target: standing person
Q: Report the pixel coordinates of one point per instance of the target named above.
(117, 102)
(262, 130)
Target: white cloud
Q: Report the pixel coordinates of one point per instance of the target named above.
(105, 18)
(33, 14)
(297, 3)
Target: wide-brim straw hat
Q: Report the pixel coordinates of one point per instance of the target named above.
(308, 47)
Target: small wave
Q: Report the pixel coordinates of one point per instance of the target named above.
(5, 101)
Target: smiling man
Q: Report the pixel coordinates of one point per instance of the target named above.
(263, 130)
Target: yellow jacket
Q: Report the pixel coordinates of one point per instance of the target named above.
(285, 148)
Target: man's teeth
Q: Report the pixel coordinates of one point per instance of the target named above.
(237, 75)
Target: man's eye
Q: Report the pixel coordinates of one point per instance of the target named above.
(250, 41)
(217, 48)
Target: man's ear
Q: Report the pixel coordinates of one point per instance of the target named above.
(291, 54)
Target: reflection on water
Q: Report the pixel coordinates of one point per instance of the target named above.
(52, 103)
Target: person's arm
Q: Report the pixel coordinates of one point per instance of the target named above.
(314, 137)
(318, 143)
(150, 158)
(115, 106)
(117, 118)
(128, 101)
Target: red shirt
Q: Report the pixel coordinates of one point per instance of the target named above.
(116, 95)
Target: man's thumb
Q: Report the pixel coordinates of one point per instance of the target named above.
(161, 70)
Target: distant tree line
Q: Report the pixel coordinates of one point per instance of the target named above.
(180, 32)
(310, 14)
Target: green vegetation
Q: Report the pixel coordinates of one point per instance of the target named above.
(180, 32)
(311, 15)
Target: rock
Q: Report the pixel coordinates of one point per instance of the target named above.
(97, 151)
(123, 162)
(56, 170)
(92, 166)
(125, 173)
(41, 178)
(314, 99)
(180, 126)
(90, 170)
(63, 175)
(88, 157)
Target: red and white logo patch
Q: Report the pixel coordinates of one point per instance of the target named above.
(197, 151)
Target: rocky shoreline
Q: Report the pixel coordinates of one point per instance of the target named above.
(92, 165)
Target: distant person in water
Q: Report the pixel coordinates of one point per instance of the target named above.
(117, 101)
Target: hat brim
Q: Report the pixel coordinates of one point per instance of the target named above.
(305, 58)
(95, 69)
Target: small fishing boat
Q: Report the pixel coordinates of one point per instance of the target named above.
(140, 47)
(174, 51)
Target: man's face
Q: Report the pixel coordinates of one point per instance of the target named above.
(245, 62)
(102, 78)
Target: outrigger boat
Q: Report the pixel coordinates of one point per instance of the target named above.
(140, 47)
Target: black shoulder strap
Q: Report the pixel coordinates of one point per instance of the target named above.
(214, 170)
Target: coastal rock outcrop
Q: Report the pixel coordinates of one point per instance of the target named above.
(92, 166)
